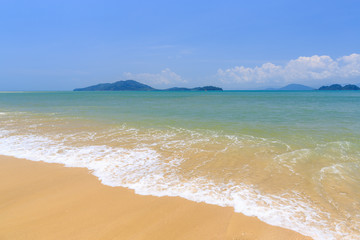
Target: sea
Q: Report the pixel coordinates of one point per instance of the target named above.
(290, 158)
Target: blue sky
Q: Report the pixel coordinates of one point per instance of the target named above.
(61, 45)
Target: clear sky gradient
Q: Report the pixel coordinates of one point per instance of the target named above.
(61, 45)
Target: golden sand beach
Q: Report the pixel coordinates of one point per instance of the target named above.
(48, 201)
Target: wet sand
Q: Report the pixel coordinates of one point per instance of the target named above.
(48, 201)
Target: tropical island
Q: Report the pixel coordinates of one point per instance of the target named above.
(131, 85)
(335, 87)
(292, 87)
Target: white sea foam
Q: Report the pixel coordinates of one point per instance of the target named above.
(149, 173)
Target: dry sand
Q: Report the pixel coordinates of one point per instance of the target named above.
(48, 201)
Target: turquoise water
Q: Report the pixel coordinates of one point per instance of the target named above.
(290, 158)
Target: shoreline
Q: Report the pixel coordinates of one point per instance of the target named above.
(49, 201)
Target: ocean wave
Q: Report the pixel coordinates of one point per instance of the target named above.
(143, 165)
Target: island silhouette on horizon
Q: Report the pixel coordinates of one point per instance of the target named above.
(132, 85)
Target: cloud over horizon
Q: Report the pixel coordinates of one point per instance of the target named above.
(165, 77)
(313, 70)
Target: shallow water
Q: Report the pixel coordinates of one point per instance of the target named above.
(290, 158)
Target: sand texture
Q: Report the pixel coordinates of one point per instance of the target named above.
(48, 201)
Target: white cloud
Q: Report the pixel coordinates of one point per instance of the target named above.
(165, 77)
(314, 69)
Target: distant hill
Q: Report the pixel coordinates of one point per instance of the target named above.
(298, 87)
(128, 85)
(292, 87)
(335, 87)
(271, 89)
(351, 87)
(131, 85)
(206, 88)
